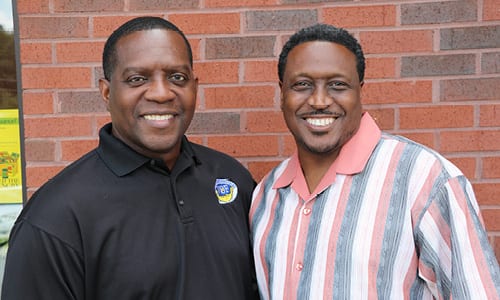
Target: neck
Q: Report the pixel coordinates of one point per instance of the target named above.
(314, 166)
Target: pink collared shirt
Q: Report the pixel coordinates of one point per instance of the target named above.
(391, 219)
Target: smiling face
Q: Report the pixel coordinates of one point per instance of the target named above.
(320, 98)
(151, 94)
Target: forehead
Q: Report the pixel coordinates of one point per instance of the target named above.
(152, 44)
(320, 56)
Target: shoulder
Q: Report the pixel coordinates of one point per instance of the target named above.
(420, 154)
(77, 175)
(55, 207)
(215, 164)
(214, 157)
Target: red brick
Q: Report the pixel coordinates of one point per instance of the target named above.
(397, 92)
(245, 146)
(361, 16)
(53, 27)
(240, 97)
(465, 141)
(104, 26)
(74, 149)
(424, 138)
(260, 168)
(265, 122)
(65, 6)
(56, 77)
(32, 6)
(36, 53)
(489, 115)
(491, 12)
(37, 176)
(216, 72)
(207, 23)
(38, 103)
(195, 139)
(240, 3)
(396, 41)
(261, 71)
(195, 48)
(491, 167)
(79, 52)
(383, 67)
(384, 117)
(57, 127)
(39, 150)
(491, 219)
(470, 89)
(102, 120)
(443, 116)
(467, 165)
(487, 193)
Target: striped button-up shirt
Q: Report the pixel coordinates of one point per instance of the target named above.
(391, 219)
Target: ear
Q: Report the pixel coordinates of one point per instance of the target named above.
(196, 85)
(104, 89)
(282, 97)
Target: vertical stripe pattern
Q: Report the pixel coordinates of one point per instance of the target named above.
(406, 227)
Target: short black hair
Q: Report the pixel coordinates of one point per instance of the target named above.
(109, 57)
(323, 32)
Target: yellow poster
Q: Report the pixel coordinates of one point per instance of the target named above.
(11, 183)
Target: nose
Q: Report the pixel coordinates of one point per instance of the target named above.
(320, 99)
(160, 90)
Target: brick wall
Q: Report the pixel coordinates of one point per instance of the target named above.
(433, 74)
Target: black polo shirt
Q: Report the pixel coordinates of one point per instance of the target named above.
(118, 225)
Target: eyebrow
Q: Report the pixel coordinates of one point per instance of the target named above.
(329, 76)
(184, 68)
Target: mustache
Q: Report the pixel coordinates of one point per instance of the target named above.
(322, 112)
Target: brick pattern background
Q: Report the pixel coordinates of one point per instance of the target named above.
(433, 75)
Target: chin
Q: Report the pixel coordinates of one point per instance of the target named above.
(318, 148)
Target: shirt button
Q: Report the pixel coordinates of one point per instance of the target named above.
(306, 211)
(299, 267)
(181, 202)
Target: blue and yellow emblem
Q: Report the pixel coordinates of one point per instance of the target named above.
(225, 190)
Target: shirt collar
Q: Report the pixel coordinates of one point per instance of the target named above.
(122, 159)
(351, 160)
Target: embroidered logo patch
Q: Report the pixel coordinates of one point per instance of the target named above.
(225, 190)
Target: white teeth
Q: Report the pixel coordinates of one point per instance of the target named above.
(158, 117)
(320, 122)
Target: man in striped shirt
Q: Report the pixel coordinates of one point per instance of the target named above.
(357, 213)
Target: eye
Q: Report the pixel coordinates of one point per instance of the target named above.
(136, 80)
(337, 85)
(301, 85)
(178, 78)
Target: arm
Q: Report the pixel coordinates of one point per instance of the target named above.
(455, 258)
(40, 266)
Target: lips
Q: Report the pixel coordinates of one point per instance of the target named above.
(320, 119)
(320, 122)
(154, 117)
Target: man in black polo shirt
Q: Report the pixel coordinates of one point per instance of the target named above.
(147, 214)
